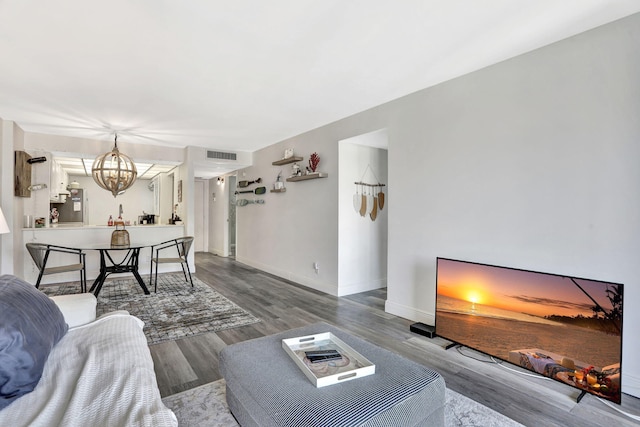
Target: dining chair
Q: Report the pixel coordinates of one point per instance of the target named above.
(179, 255)
(40, 253)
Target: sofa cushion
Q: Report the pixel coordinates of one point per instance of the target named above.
(30, 325)
(77, 309)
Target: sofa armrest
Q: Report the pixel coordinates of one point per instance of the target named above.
(77, 309)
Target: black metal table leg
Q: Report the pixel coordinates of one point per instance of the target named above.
(97, 284)
(134, 269)
(129, 264)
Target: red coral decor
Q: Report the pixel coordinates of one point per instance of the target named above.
(313, 162)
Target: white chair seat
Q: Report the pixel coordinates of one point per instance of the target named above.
(63, 269)
(169, 260)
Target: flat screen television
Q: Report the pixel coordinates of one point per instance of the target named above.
(565, 328)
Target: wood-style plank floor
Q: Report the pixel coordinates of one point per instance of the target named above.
(282, 305)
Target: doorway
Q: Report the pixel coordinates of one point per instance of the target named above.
(199, 217)
(362, 232)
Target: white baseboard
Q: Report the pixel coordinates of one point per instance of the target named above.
(218, 252)
(410, 313)
(356, 288)
(630, 384)
(327, 288)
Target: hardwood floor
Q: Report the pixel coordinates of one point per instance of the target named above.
(282, 305)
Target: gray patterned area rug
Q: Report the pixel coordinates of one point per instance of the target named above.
(176, 311)
(207, 406)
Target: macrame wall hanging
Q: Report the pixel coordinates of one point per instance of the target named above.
(368, 198)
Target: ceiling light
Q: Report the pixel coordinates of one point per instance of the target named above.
(220, 181)
(114, 171)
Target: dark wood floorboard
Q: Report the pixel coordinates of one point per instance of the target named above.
(282, 305)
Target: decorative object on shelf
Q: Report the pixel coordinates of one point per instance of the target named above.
(243, 184)
(259, 190)
(310, 171)
(314, 160)
(288, 153)
(278, 186)
(114, 171)
(371, 200)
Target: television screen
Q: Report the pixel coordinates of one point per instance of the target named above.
(565, 328)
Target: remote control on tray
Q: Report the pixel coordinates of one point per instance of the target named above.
(324, 357)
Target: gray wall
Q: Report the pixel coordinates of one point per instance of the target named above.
(531, 163)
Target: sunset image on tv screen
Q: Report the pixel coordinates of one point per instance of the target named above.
(566, 328)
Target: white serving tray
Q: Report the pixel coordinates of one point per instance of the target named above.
(352, 365)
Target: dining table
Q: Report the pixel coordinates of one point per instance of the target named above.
(117, 259)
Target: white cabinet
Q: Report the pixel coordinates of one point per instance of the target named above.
(59, 179)
(53, 181)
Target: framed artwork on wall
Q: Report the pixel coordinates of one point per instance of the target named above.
(180, 191)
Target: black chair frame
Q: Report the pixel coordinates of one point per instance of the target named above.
(182, 245)
(36, 250)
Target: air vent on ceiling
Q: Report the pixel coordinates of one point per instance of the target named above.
(220, 155)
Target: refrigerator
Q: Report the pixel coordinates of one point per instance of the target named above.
(72, 210)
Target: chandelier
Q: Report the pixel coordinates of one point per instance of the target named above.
(114, 171)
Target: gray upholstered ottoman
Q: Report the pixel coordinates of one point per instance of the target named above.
(266, 388)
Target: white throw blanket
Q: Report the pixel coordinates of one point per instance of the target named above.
(99, 374)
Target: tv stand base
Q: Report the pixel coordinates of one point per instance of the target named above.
(582, 393)
(448, 346)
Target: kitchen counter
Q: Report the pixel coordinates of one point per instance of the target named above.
(72, 225)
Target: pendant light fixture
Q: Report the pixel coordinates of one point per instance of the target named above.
(114, 171)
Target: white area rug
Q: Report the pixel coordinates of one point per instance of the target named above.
(207, 406)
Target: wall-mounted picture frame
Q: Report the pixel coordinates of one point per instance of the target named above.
(180, 191)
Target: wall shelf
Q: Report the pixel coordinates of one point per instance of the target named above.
(287, 161)
(314, 175)
(279, 190)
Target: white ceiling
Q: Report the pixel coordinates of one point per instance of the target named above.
(241, 75)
